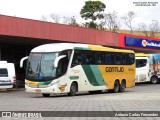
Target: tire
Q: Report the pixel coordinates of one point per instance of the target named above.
(122, 86)
(73, 89)
(46, 95)
(116, 87)
(154, 80)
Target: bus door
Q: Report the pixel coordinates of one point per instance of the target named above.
(77, 72)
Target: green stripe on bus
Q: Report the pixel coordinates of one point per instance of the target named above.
(45, 83)
(74, 77)
(97, 74)
(90, 75)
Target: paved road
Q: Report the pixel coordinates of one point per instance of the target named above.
(143, 97)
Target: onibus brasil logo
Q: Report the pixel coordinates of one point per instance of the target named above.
(150, 43)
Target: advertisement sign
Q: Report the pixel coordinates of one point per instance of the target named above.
(141, 42)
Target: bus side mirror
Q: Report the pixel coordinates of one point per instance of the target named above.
(22, 60)
(57, 60)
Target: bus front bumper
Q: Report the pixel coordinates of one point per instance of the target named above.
(49, 89)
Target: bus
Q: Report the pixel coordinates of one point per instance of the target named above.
(72, 67)
(142, 68)
(147, 68)
(7, 75)
(154, 68)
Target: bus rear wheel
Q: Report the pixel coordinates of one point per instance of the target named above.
(154, 80)
(116, 87)
(73, 89)
(46, 95)
(122, 86)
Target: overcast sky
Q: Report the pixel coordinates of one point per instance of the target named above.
(35, 9)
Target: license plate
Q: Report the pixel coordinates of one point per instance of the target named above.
(38, 90)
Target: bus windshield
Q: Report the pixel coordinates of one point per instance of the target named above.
(40, 66)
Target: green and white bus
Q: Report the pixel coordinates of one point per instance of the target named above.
(71, 68)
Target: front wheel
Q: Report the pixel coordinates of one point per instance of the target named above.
(73, 89)
(46, 95)
(154, 80)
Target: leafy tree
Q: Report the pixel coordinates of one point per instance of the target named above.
(92, 10)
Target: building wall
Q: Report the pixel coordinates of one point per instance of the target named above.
(13, 26)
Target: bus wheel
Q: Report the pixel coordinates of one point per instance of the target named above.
(154, 79)
(122, 86)
(46, 95)
(116, 87)
(73, 89)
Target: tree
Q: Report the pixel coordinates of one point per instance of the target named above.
(70, 21)
(128, 19)
(154, 28)
(92, 10)
(111, 20)
(143, 29)
(74, 21)
(55, 18)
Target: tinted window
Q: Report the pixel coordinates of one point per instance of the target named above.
(99, 58)
(131, 59)
(90, 57)
(102, 58)
(141, 63)
(3, 72)
(78, 58)
(109, 59)
(118, 59)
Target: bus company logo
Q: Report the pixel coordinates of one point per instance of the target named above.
(144, 43)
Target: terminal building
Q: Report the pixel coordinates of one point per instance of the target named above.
(18, 36)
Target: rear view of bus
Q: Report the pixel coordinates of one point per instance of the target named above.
(7, 75)
(142, 67)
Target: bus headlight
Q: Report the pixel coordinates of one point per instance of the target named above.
(54, 82)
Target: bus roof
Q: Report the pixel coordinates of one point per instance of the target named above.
(56, 47)
(140, 55)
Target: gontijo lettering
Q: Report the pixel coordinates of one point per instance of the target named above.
(114, 69)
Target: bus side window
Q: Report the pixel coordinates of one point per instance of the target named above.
(118, 59)
(125, 59)
(90, 57)
(109, 59)
(77, 58)
(99, 57)
(131, 59)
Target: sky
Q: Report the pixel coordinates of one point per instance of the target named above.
(35, 9)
